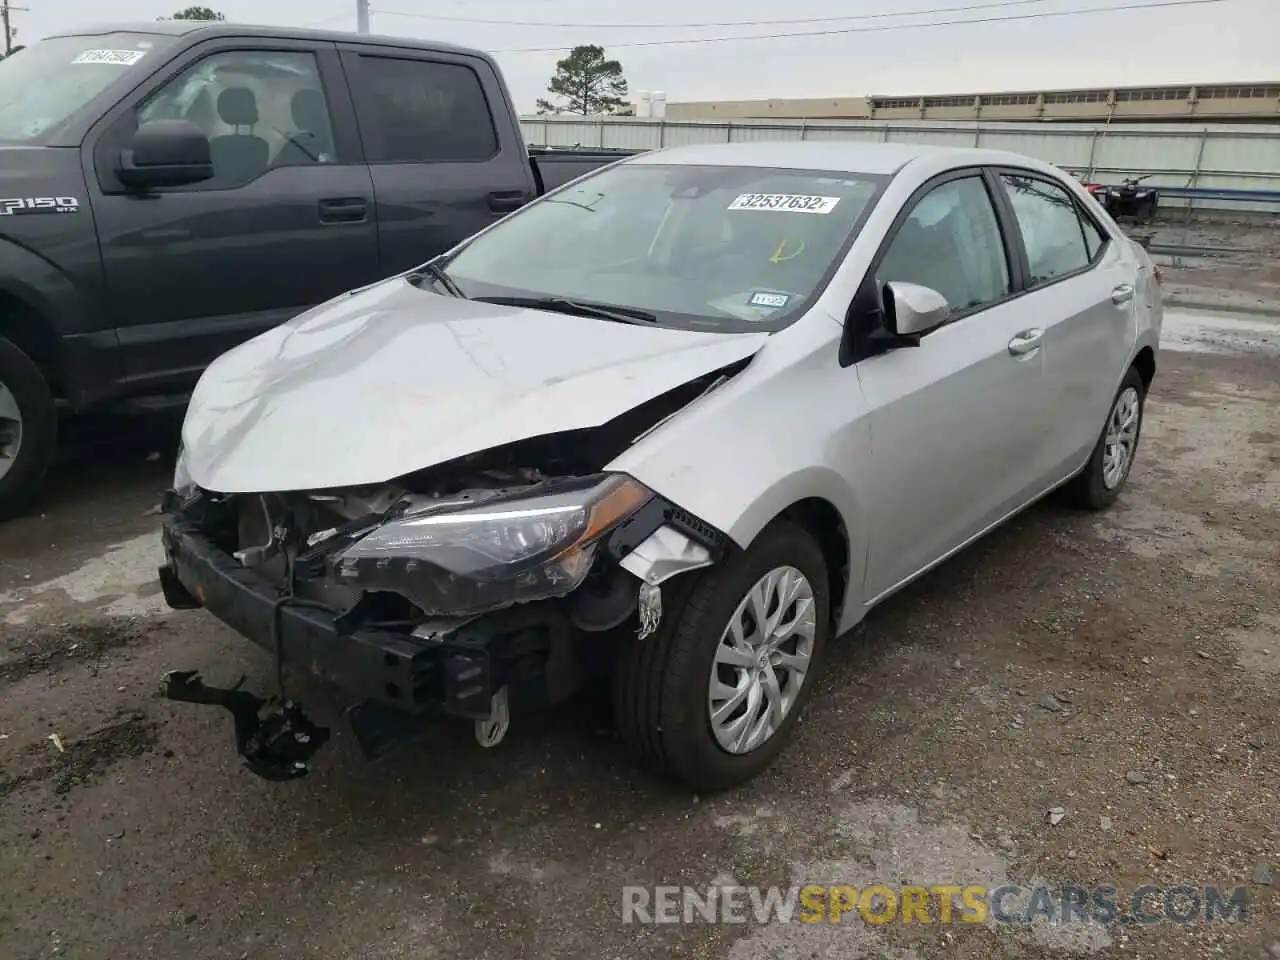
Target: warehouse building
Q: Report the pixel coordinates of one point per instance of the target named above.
(1224, 102)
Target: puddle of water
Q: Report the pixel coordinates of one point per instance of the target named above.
(1220, 333)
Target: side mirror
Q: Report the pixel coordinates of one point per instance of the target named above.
(165, 153)
(911, 310)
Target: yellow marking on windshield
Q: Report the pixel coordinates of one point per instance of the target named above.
(782, 256)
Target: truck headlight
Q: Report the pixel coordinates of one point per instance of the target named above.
(458, 562)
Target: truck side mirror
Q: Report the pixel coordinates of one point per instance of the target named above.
(165, 153)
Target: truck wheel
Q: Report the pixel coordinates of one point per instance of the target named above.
(713, 695)
(28, 429)
(1099, 484)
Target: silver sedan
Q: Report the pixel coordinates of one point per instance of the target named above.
(688, 416)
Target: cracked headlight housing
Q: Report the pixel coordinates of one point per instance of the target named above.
(507, 550)
(183, 485)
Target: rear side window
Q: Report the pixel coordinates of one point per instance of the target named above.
(425, 112)
(1094, 238)
(1051, 228)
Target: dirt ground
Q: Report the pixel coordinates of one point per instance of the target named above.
(1121, 667)
(1243, 275)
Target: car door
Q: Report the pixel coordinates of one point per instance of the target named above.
(1082, 287)
(954, 422)
(445, 153)
(287, 221)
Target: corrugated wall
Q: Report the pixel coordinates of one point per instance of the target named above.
(1225, 156)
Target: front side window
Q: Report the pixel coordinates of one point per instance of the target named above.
(706, 247)
(260, 109)
(426, 112)
(951, 242)
(45, 85)
(1050, 226)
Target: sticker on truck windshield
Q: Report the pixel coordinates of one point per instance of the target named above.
(21, 205)
(125, 58)
(786, 202)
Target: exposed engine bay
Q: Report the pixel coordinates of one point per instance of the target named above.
(302, 542)
(499, 580)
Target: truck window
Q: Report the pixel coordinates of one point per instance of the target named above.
(260, 108)
(45, 85)
(425, 112)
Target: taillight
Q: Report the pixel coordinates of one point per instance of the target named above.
(1157, 273)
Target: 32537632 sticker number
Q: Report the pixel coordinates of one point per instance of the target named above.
(784, 202)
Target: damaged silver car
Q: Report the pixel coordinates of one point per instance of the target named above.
(672, 426)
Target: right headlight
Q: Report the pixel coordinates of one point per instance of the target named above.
(458, 562)
(183, 485)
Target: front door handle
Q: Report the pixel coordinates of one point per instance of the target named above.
(1122, 293)
(343, 210)
(1027, 342)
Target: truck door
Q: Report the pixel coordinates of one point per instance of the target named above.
(443, 145)
(286, 223)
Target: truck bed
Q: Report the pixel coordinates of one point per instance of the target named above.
(554, 167)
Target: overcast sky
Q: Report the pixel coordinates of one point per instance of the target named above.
(1218, 41)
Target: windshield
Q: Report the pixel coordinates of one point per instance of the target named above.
(45, 85)
(696, 246)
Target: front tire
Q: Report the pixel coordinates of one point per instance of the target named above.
(28, 429)
(714, 694)
(1099, 484)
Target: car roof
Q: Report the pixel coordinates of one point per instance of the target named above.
(834, 156)
(219, 28)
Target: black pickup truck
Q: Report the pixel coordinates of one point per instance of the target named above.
(171, 189)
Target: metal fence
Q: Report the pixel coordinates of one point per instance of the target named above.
(1225, 166)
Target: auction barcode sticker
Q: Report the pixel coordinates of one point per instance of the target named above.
(125, 58)
(787, 202)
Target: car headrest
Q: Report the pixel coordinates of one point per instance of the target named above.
(308, 110)
(238, 106)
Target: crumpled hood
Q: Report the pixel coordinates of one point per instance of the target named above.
(392, 378)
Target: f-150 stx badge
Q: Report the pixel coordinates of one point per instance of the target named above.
(20, 205)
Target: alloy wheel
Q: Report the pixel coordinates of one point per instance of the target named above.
(1121, 438)
(10, 430)
(762, 660)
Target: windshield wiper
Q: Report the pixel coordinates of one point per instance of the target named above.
(582, 308)
(439, 275)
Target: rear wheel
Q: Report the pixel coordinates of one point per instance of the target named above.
(28, 429)
(1104, 476)
(713, 696)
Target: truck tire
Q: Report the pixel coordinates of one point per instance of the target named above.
(28, 429)
(667, 685)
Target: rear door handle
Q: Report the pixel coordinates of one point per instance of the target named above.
(1122, 293)
(343, 210)
(506, 201)
(1027, 342)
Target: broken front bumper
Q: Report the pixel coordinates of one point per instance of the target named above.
(398, 680)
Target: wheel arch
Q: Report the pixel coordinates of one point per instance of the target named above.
(1145, 363)
(31, 332)
(822, 521)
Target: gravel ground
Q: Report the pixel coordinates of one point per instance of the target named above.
(1121, 668)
